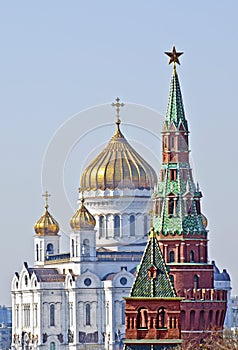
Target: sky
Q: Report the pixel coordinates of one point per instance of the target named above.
(61, 59)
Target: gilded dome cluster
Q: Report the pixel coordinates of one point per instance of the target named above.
(118, 166)
(82, 219)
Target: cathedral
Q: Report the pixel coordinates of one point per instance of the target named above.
(75, 299)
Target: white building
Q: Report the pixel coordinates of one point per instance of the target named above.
(75, 300)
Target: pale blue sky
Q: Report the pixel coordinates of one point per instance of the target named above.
(60, 57)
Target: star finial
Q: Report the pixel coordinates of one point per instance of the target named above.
(118, 106)
(46, 195)
(174, 56)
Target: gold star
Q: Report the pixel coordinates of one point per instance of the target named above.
(174, 55)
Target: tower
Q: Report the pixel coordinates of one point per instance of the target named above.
(152, 309)
(181, 226)
(47, 239)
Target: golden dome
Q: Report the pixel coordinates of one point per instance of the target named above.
(46, 225)
(82, 219)
(118, 166)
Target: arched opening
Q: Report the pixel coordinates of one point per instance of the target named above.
(195, 282)
(50, 248)
(182, 319)
(116, 225)
(222, 318)
(88, 315)
(132, 225)
(171, 256)
(161, 318)
(102, 226)
(52, 345)
(192, 319)
(202, 320)
(191, 256)
(72, 247)
(142, 318)
(171, 206)
(52, 315)
(86, 247)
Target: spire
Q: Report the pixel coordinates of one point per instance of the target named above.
(152, 279)
(175, 110)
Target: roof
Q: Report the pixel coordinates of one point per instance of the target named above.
(152, 279)
(47, 274)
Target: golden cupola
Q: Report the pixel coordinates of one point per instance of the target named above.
(118, 165)
(82, 219)
(46, 225)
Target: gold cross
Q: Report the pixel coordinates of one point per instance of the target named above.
(118, 105)
(46, 195)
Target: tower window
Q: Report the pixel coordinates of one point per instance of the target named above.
(50, 248)
(102, 226)
(86, 247)
(72, 247)
(132, 225)
(172, 141)
(189, 206)
(142, 320)
(191, 256)
(173, 174)
(52, 345)
(52, 315)
(171, 256)
(171, 206)
(196, 282)
(88, 315)
(37, 252)
(116, 225)
(161, 318)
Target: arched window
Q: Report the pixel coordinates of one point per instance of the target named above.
(222, 318)
(37, 252)
(182, 319)
(86, 247)
(88, 315)
(142, 318)
(161, 318)
(189, 205)
(52, 345)
(102, 226)
(50, 248)
(116, 225)
(52, 315)
(171, 256)
(132, 225)
(191, 256)
(210, 316)
(171, 206)
(192, 319)
(217, 317)
(195, 282)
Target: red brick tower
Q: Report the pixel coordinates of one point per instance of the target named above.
(181, 226)
(153, 309)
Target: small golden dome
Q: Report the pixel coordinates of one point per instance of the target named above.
(204, 220)
(118, 166)
(82, 219)
(46, 225)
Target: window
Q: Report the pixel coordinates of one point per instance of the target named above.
(86, 247)
(132, 226)
(183, 319)
(71, 314)
(210, 317)
(172, 141)
(191, 256)
(37, 252)
(171, 279)
(161, 318)
(17, 316)
(72, 247)
(116, 226)
(171, 256)
(196, 282)
(50, 248)
(102, 226)
(189, 206)
(52, 345)
(35, 315)
(171, 206)
(173, 174)
(192, 319)
(202, 320)
(52, 315)
(26, 315)
(88, 315)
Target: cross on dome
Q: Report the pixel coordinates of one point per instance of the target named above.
(46, 195)
(118, 106)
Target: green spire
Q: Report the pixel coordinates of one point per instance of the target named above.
(175, 110)
(152, 279)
